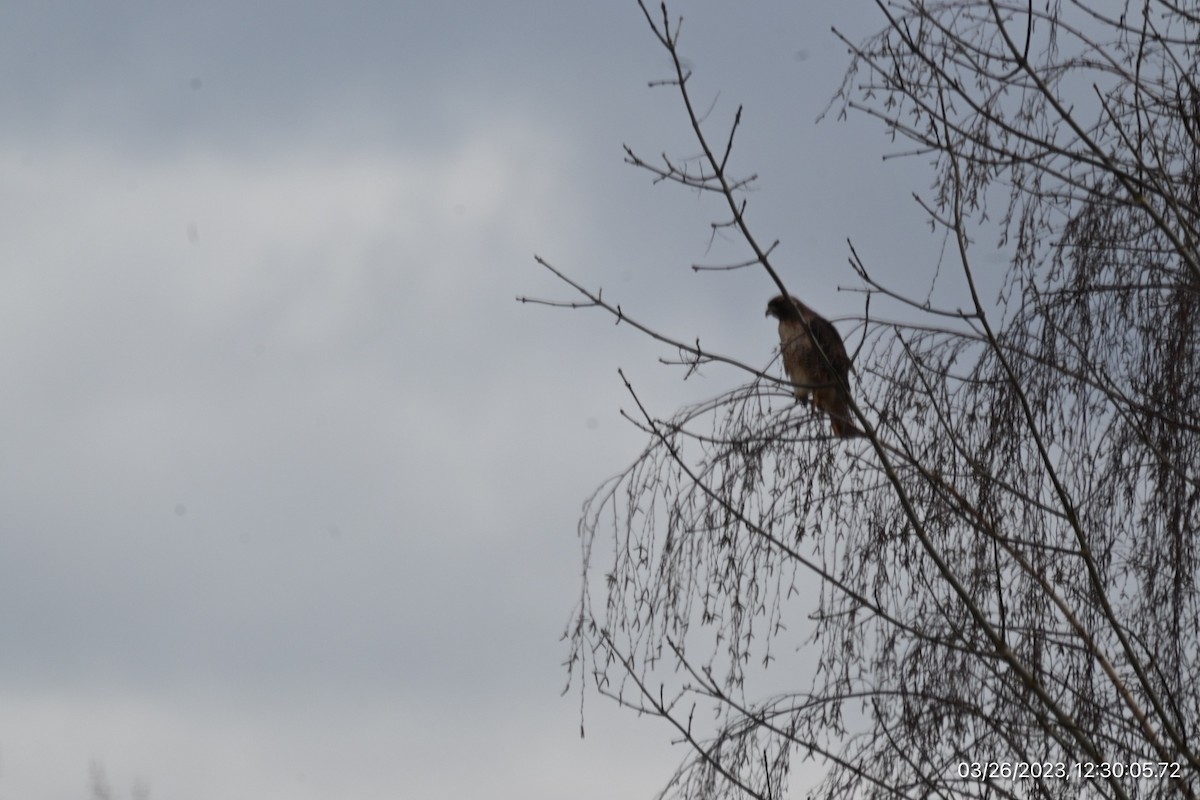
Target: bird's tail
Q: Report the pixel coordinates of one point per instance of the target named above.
(844, 429)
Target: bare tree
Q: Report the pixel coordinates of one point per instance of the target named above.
(1007, 562)
(101, 789)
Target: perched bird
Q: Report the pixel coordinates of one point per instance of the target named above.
(815, 360)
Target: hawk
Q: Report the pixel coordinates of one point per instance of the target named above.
(815, 360)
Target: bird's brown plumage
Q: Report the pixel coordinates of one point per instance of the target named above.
(815, 360)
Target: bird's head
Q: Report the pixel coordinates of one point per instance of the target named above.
(782, 307)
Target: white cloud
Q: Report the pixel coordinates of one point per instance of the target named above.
(269, 444)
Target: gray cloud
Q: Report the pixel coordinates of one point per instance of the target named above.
(289, 484)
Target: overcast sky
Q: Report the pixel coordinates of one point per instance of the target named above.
(288, 481)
